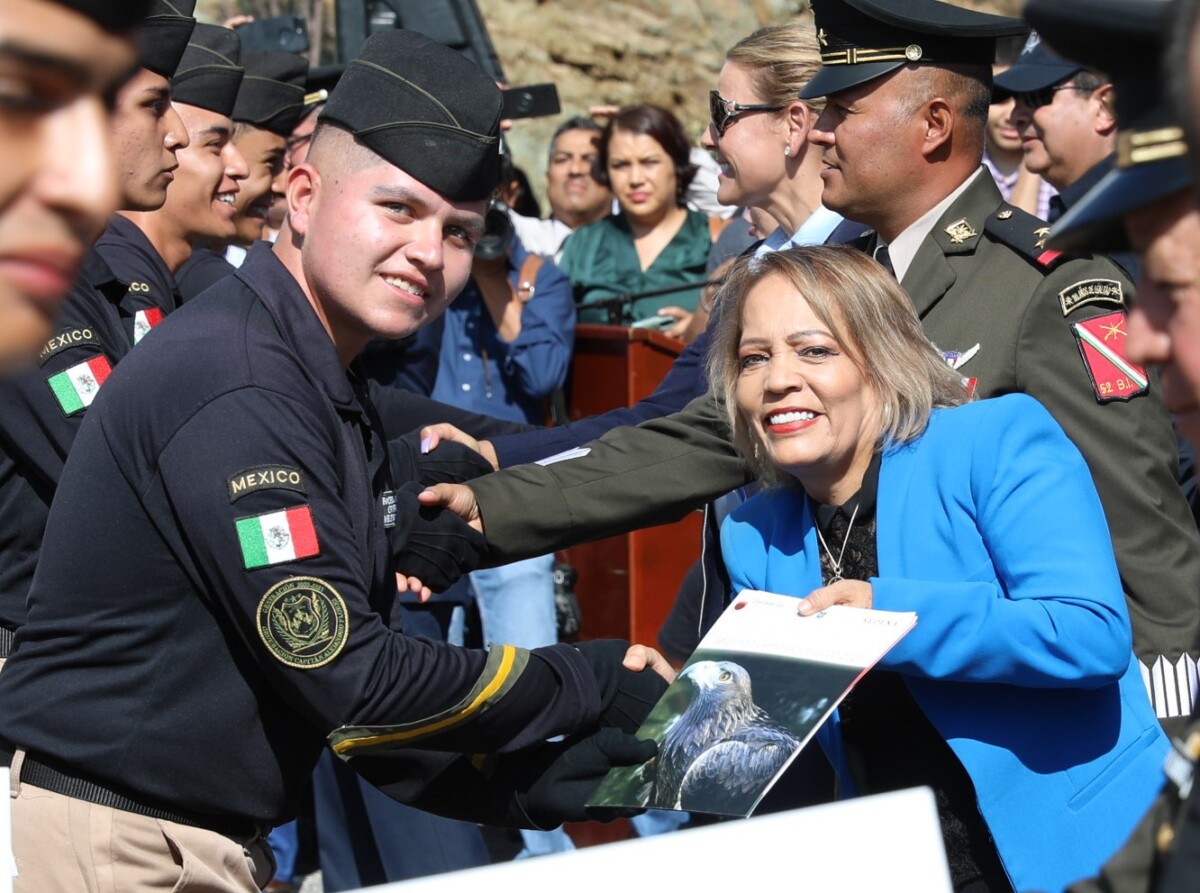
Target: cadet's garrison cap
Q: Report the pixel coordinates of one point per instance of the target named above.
(163, 35)
(864, 39)
(424, 108)
(1125, 39)
(112, 15)
(1036, 68)
(210, 72)
(272, 92)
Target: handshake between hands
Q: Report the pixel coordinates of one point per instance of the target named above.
(438, 549)
(554, 781)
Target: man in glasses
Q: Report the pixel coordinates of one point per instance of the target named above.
(1063, 114)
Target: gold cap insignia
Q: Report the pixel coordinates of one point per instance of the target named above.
(960, 230)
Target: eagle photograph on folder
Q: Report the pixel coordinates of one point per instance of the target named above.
(757, 689)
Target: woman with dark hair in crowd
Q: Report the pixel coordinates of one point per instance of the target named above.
(655, 241)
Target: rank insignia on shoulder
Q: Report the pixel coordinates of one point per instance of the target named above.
(266, 477)
(1102, 346)
(1024, 234)
(1091, 291)
(75, 388)
(68, 338)
(276, 537)
(144, 321)
(960, 230)
(303, 622)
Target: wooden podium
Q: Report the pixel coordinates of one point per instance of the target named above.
(626, 584)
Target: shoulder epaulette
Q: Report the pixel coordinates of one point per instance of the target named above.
(1023, 233)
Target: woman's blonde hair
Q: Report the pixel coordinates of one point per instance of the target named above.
(780, 60)
(868, 314)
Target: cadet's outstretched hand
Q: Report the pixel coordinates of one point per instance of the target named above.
(557, 779)
(432, 435)
(626, 696)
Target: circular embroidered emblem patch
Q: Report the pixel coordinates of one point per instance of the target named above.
(302, 620)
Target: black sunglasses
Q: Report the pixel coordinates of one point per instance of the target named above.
(724, 111)
(1035, 99)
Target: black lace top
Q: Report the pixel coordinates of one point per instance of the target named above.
(890, 745)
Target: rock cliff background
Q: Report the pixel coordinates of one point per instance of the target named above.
(612, 51)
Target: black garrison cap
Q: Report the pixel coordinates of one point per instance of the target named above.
(272, 92)
(112, 15)
(1036, 68)
(163, 35)
(1125, 39)
(210, 72)
(865, 39)
(424, 108)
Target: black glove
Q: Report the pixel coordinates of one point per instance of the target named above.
(625, 696)
(554, 781)
(432, 544)
(447, 463)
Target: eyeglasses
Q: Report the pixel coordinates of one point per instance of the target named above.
(724, 111)
(1035, 99)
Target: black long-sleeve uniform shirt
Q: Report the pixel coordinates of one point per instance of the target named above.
(124, 289)
(215, 592)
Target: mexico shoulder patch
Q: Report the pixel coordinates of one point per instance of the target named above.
(144, 321)
(276, 537)
(303, 622)
(75, 388)
(1102, 345)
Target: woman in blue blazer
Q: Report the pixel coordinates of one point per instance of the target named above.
(1016, 697)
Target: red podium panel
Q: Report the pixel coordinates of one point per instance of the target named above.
(626, 583)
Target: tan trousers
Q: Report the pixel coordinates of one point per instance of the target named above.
(65, 844)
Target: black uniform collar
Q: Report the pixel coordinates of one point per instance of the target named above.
(126, 230)
(297, 322)
(1066, 199)
(97, 273)
(861, 505)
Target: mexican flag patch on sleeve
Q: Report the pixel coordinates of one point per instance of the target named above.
(75, 388)
(276, 537)
(144, 321)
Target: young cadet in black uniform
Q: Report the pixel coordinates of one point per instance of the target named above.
(63, 62)
(41, 410)
(216, 589)
(907, 87)
(269, 104)
(149, 246)
(1146, 203)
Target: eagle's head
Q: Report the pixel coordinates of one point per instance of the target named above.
(722, 678)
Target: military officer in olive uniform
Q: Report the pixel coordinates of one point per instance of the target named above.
(1008, 312)
(1147, 203)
